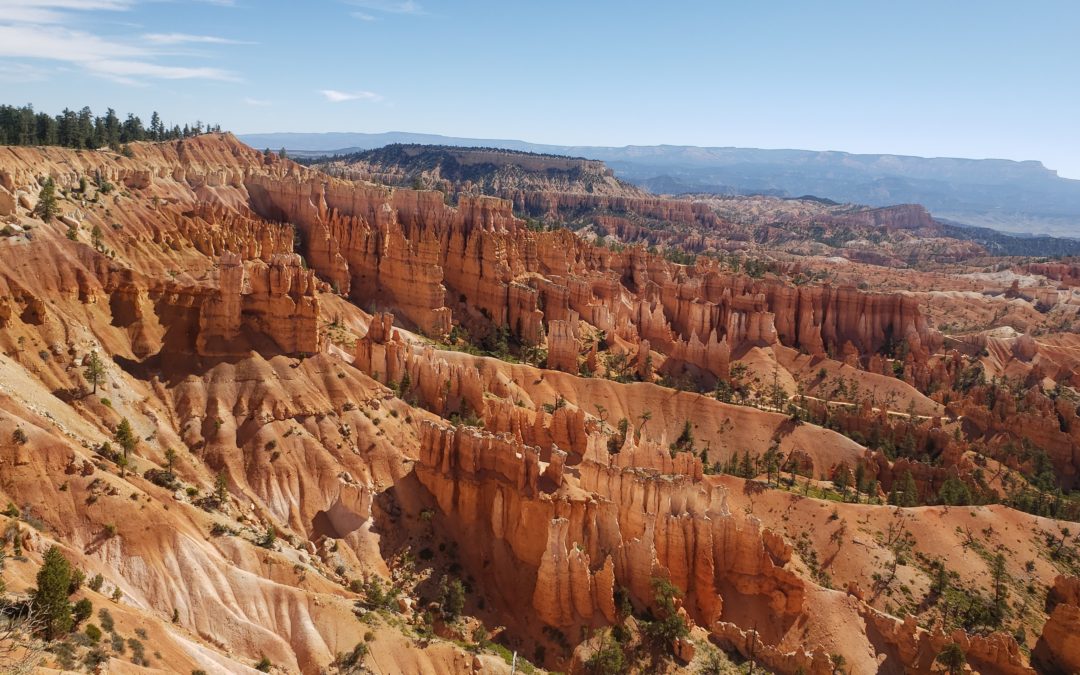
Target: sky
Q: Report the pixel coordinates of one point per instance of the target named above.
(962, 78)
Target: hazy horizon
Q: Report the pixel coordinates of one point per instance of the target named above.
(992, 80)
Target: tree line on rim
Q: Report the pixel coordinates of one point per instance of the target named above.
(83, 129)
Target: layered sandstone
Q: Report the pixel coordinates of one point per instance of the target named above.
(620, 523)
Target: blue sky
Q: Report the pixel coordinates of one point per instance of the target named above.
(959, 78)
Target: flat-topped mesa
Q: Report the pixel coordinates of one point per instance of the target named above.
(571, 544)
(254, 299)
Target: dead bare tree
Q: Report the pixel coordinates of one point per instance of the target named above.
(20, 649)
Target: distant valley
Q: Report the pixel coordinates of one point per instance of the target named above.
(1005, 195)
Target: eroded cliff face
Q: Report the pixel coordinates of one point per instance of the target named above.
(575, 535)
(1058, 649)
(277, 300)
(476, 264)
(228, 290)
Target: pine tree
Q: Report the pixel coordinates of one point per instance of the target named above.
(47, 207)
(997, 569)
(112, 130)
(746, 467)
(221, 488)
(94, 370)
(908, 491)
(127, 440)
(51, 597)
(842, 480)
(860, 480)
(96, 237)
(953, 658)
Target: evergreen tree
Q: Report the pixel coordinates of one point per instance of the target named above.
(221, 488)
(905, 492)
(112, 129)
(997, 570)
(47, 207)
(127, 440)
(842, 479)
(82, 129)
(953, 658)
(860, 480)
(668, 626)
(51, 597)
(746, 466)
(82, 610)
(96, 237)
(453, 596)
(94, 370)
(954, 492)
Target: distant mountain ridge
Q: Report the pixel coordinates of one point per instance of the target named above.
(585, 195)
(1006, 195)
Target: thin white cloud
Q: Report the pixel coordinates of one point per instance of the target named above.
(390, 6)
(335, 96)
(53, 11)
(21, 72)
(40, 29)
(363, 16)
(186, 38)
(258, 102)
(74, 5)
(127, 70)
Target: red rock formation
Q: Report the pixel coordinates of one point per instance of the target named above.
(562, 347)
(1058, 648)
(381, 353)
(621, 523)
(276, 300)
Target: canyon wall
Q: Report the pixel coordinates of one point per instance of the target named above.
(563, 542)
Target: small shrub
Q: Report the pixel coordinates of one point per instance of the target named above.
(93, 633)
(83, 610)
(268, 538)
(106, 618)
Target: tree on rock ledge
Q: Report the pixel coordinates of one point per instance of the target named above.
(47, 207)
(51, 598)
